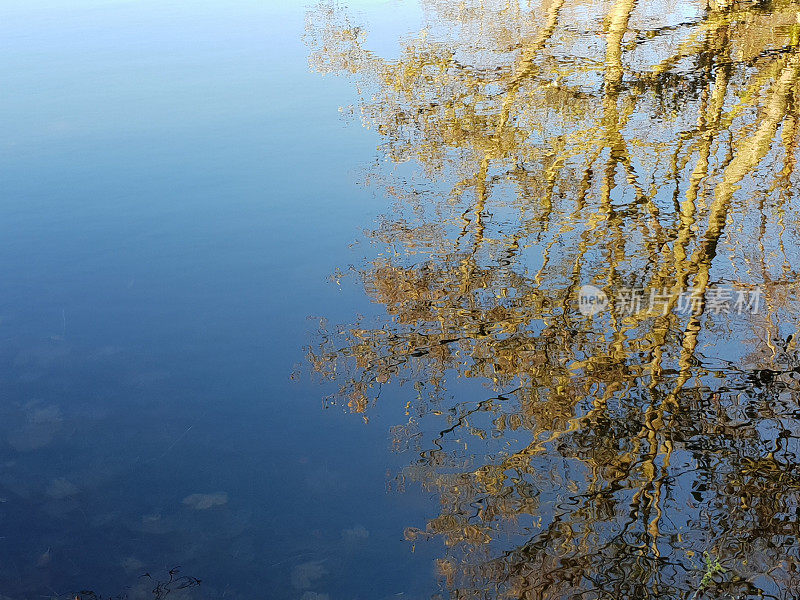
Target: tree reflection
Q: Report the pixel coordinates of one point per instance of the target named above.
(632, 145)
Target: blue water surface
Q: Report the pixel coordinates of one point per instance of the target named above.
(177, 188)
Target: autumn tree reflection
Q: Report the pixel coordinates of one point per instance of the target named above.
(641, 452)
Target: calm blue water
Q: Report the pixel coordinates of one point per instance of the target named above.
(290, 300)
(177, 188)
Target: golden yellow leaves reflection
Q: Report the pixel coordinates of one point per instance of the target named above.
(632, 145)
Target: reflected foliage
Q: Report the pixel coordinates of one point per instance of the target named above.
(172, 584)
(533, 149)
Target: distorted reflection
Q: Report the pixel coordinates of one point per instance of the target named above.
(645, 148)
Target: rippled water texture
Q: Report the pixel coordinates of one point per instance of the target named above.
(549, 252)
(647, 449)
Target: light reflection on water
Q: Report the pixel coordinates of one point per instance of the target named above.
(181, 193)
(176, 191)
(529, 152)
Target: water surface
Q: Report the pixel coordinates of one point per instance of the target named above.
(291, 298)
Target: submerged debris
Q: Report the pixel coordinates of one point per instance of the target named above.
(206, 501)
(304, 575)
(162, 587)
(61, 488)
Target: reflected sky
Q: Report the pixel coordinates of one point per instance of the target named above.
(288, 299)
(578, 189)
(177, 189)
